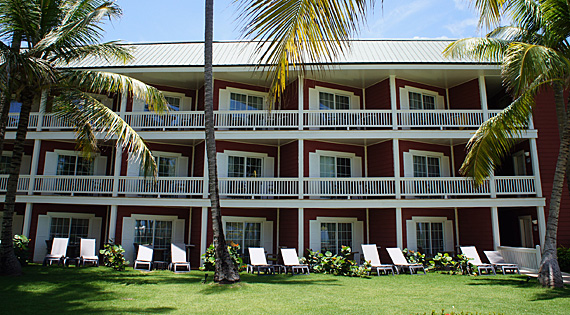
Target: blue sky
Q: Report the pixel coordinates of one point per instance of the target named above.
(183, 20)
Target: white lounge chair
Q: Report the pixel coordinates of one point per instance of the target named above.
(58, 251)
(471, 253)
(144, 257)
(400, 261)
(291, 260)
(258, 261)
(498, 262)
(178, 257)
(371, 254)
(87, 248)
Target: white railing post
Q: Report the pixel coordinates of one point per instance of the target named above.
(538, 256)
(27, 220)
(301, 232)
(495, 227)
(301, 169)
(393, 102)
(301, 100)
(399, 233)
(396, 157)
(112, 223)
(117, 170)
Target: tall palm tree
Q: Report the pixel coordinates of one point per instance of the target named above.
(533, 53)
(290, 33)
(57, 33)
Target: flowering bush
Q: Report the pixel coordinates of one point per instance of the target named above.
(338, 265)
(209, 257)
(21, 249)
(114, 256)
(414, 257)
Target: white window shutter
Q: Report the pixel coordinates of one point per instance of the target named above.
(313, 99)
(408, 164)
(439, 102)
(186, 104)
(445, 172)
(17, 224)
(42, 235)
(50, 164)
(138, 105)
(357, 238)
(404, 102)
(133, 167)
(128, 238)
(355, 102)
(95, 231)
(222, 159)
(178, 231)
(100, 165)
(267, 240)
(314, 236)
(411, 235)
(26, 164)
(268, 167)
(314, 165)
(182, 167)
(356, 166)
(224, 99)
(448, 236)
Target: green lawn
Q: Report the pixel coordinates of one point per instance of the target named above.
(91, 290)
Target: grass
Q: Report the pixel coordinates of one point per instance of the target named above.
(45, 290)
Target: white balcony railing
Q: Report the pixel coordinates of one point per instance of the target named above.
(348, 118)
(163, 186)
(515, 185)
(258, 187)
(13, 119)
(252, 119)
(442, 118)
(441, 186)
(349, 187)
(529, 258)
(73, 184)
(171, 120)
(23, 182)
(51, 121)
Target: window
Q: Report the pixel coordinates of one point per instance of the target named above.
(333, 101)
(74, 165)
(154, 232)
(71, 228)
(335, 235)
(166, 166)
(421, 101)
(5, 161)
(425, 166)
(331, 166)
(429, 237)
(245, 102)
(173, 103)
(241, 166)
(246, 234)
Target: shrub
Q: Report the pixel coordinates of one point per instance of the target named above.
(21, 249)
(564, 258)
(414, 257)
(447, 263)
(209, 257)
(114, 256)
(338, 265)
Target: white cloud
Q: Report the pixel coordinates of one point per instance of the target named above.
(461, 4)
(396, 15)
(459, 28)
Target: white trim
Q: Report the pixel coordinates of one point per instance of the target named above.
(421, 91)
(426, 153)
(245, 154)
(336, 219)
(335, 153)
(72, 153)
(429, 219)
(246, 92)
(166, 154)
(242, 219)
(154, 217)
(70, 215)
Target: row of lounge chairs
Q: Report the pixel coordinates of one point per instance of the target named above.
(178, 261)
(87, 254)
(258, 262)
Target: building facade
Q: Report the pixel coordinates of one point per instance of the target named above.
(367, 150)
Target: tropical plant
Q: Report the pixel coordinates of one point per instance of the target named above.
(210, 260)
(57, 33)
(414, 256)
(533, 53)
(114, 256)
(338, 265)
(290, 33)
(22, 249)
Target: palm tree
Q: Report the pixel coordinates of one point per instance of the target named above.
(56, 33)
(290, 33)
(533, 53)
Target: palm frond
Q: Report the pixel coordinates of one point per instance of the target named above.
(110, 51)
(19, 16)
(297, 32)
(90, 117)
(490, 11)
(527, 64)
(494, 139)
(105, 82)
(484, 49)
(557, 13)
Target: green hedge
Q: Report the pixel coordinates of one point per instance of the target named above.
(564, 259)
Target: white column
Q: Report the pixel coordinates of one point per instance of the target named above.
(301, 99)
(399, 233)
(301, 170)
(117, 170)
(277, 231)
(367, 226)
(27, 220)
(300, 249)
(123, 104)
(483, 97)
(34, 165)
(535, 167)
(457, 243)
(365, 160)
(396, 157)
(206, 175)
(493, 185)
(204, 232)
(541, 225)
(393, 101)
(113, 222)
(189, 225)
(495, 227)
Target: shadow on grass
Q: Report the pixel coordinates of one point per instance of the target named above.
(525, 282)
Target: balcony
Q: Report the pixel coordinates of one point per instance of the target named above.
(351, 188)
(286, 119)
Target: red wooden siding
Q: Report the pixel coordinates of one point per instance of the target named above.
(509, 226)
(381, 160)
(382, 231)
(290, 99)
(289, 228)
(465, 96)
(199, 159)
(195, 237)
(290, 160)
(475, 228)
(378, 95)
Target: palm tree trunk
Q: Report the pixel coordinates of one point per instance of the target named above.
(549, 274)
(225, 271)
(560, 106)
(9, 264)
(7, 96)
